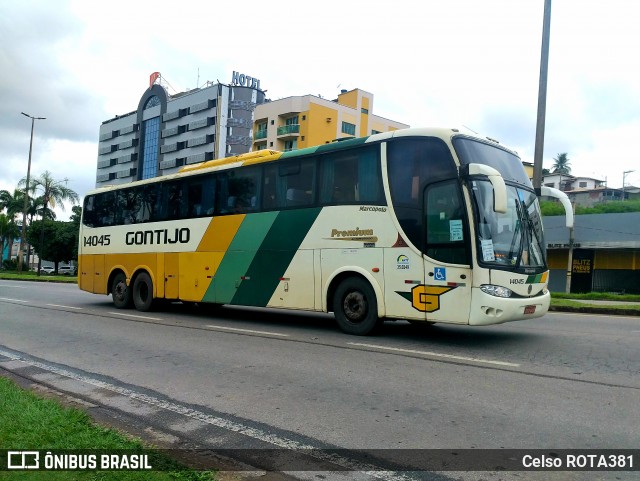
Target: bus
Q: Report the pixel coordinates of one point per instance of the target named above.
(425, 225)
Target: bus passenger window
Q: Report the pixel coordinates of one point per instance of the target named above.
(269, 201)
(173, 200)
(239, 191)
(194, 199)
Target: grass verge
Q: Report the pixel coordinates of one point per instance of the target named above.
(30, 422)
(597, 296)
(32, 276)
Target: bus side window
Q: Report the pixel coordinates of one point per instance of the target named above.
(149, 209)
(445, 223)
(88, 212)
(194, 199)
(269, 201)
(296, 183)
(239, 191)
(105, 211)
(351, 177)
(173, 201)
(128, 204)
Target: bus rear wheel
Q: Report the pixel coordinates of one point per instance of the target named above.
(120, 292)
(355, 307)
(143, 292)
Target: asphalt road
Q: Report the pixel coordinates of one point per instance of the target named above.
(265, 378)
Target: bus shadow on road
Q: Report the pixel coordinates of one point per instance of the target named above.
(318, 322)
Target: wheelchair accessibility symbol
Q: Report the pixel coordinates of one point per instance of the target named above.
(440, 273)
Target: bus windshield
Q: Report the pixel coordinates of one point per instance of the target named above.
(512, 239)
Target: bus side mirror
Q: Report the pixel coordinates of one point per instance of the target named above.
(497, 183)
(564, 200)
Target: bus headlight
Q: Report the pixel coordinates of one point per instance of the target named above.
(497, 291)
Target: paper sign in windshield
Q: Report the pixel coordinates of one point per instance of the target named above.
(488, 254)
(455, 230)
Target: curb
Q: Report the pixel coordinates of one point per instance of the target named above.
(597, 310)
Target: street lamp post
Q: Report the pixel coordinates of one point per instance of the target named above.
(25, 206)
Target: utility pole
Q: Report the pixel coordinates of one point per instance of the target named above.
(25, 206)
(570, 255)
(624, 175)
(542, 99)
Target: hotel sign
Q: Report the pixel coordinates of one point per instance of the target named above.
(243, 80)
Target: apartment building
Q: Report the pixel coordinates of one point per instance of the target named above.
(166, 131)
(297, 122)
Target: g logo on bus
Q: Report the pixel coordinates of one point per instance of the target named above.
(427, 298)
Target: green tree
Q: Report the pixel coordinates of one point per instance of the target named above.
(60, 240)
(52, 192)
(12, 203)
(561, 164)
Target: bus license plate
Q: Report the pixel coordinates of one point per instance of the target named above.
(529, 309)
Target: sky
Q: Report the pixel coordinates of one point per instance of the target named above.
(459, 63)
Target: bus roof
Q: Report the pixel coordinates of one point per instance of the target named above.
(262, 156)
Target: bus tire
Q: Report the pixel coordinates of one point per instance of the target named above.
(120, 292)
(143, 292)
(355, 307)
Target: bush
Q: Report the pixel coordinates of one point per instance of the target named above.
(12, 265)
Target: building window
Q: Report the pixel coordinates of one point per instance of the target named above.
(292, 120)
(290, 145)
(364, 111)
(151, 142)
(373, 132)
(348, 128)
(583, 184)
(152, 102)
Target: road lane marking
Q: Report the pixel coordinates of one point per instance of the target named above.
(136, 317)
(248, 331)
(234, 426)
(12, 300)
(66, 307)
(435, 354)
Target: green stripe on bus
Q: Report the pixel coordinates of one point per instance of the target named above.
(238, 257)
(274, 256)
(534, 279)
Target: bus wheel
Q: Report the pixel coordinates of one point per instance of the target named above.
(120, 292)
(143, 292)
(355, 307)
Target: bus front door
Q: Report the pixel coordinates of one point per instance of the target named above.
(446, 293)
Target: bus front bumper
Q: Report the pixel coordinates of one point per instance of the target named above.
(487, 309)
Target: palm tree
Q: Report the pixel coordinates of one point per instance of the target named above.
(561, 164)
(53, 192)
(13, 203)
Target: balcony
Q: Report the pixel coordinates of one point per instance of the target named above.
(260, 134)
(289, 131)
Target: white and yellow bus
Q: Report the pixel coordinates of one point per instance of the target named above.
(427, 225)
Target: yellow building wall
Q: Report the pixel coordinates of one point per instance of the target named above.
(350, 99)
(617, 259)
(622, 259)
(557, 259)
(318, 130)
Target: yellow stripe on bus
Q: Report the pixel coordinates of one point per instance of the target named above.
(220, 233)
